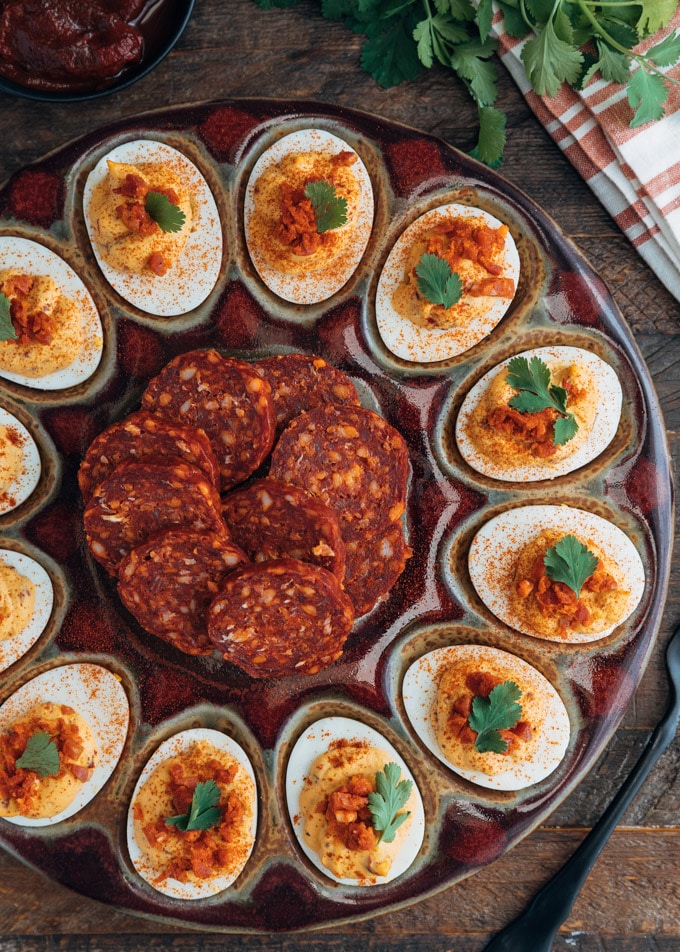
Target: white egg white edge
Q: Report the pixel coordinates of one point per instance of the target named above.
(317, 285)
(602, 433)
(11, 649)
(32, 258)
(419, 693)
(29, 476)
(98, 696)
(314, 741)
(172, 747)
(420, 344)
(173, 293)
(497, 545)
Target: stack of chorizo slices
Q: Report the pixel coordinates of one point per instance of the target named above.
(274, 572)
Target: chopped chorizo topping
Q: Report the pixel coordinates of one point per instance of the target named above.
(535, 430)
(298, 227)
(481, 684)
(157, 264)
(463, 239)
(30, 324)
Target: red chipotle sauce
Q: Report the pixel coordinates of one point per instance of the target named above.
(75, 45)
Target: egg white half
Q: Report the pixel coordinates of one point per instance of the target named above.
(521, 469)
(172, 747)
(98, 696)
(496, 547)
(28, 477)
(193, 276)
(424, 345)
(419, 692)
(31, 258)
(11, 649)
(314, 741)
(318, 285)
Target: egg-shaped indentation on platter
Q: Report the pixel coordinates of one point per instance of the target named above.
(202, 833)
(449, 689)
(72, 722)
(556, 572)
(342, 762)
(308, 215)
(20, 465)
(154, 227)
(447, 282)
(58, 339)
(26, 600)
(543, 413)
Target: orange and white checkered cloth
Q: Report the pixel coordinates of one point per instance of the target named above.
(635, 173)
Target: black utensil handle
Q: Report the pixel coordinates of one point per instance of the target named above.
(535, 929)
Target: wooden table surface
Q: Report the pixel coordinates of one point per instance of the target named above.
(631, 900)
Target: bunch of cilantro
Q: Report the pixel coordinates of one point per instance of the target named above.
(569, 41)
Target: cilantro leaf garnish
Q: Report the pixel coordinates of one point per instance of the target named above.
(40, 755)
(437, 281)
(536, 393)
(571, 562)
(203, 812)
(497, 712)
(390, 798)
(168, 217)
(7, 331)
(330, 209)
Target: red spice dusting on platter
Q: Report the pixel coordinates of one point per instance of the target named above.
(412, 162)
(36, 197)
(224, 130)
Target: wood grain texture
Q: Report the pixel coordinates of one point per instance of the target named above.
(630, 902)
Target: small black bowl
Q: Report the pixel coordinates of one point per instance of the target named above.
(161, 33)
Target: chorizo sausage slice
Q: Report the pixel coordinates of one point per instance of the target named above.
(274, 520)
(279, 618)
(375, 560)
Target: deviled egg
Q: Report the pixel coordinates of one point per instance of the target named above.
(440, 692)
(556, 572)
(540, 414)
(52, 335)
(66, 729)
(308, 215)
(339, 776)
(19, 462)
(154, 227)
(26, 600)
(193, 815)
(447, 282)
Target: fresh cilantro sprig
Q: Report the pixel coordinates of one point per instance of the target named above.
(404, 35)
(168, 217)
(571, 562)
(437, 281)
(330, 209)
(497, 712)
(7, 331)
(390, 797)
(536, 393)
(40, 755)
(203, 812)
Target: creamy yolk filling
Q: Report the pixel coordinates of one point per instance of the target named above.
(17, 602)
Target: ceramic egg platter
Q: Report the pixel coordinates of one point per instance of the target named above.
(560, 300)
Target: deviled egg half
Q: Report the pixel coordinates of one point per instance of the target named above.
(63, 733)
(556, 572)
(447, 282)
(354, 805)
(19, 462)
(193, 815)
(26, 600)
(154, 227)
(540, 414)
(51, 331)
(308, 215)
(489, 716)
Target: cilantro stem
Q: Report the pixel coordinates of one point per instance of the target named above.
(609, 39)
(525, 16)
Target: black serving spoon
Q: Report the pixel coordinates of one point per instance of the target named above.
(535, 929)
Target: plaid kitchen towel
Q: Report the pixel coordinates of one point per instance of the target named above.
(635, 173)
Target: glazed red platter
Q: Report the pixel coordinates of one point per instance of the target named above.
(559, 300)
